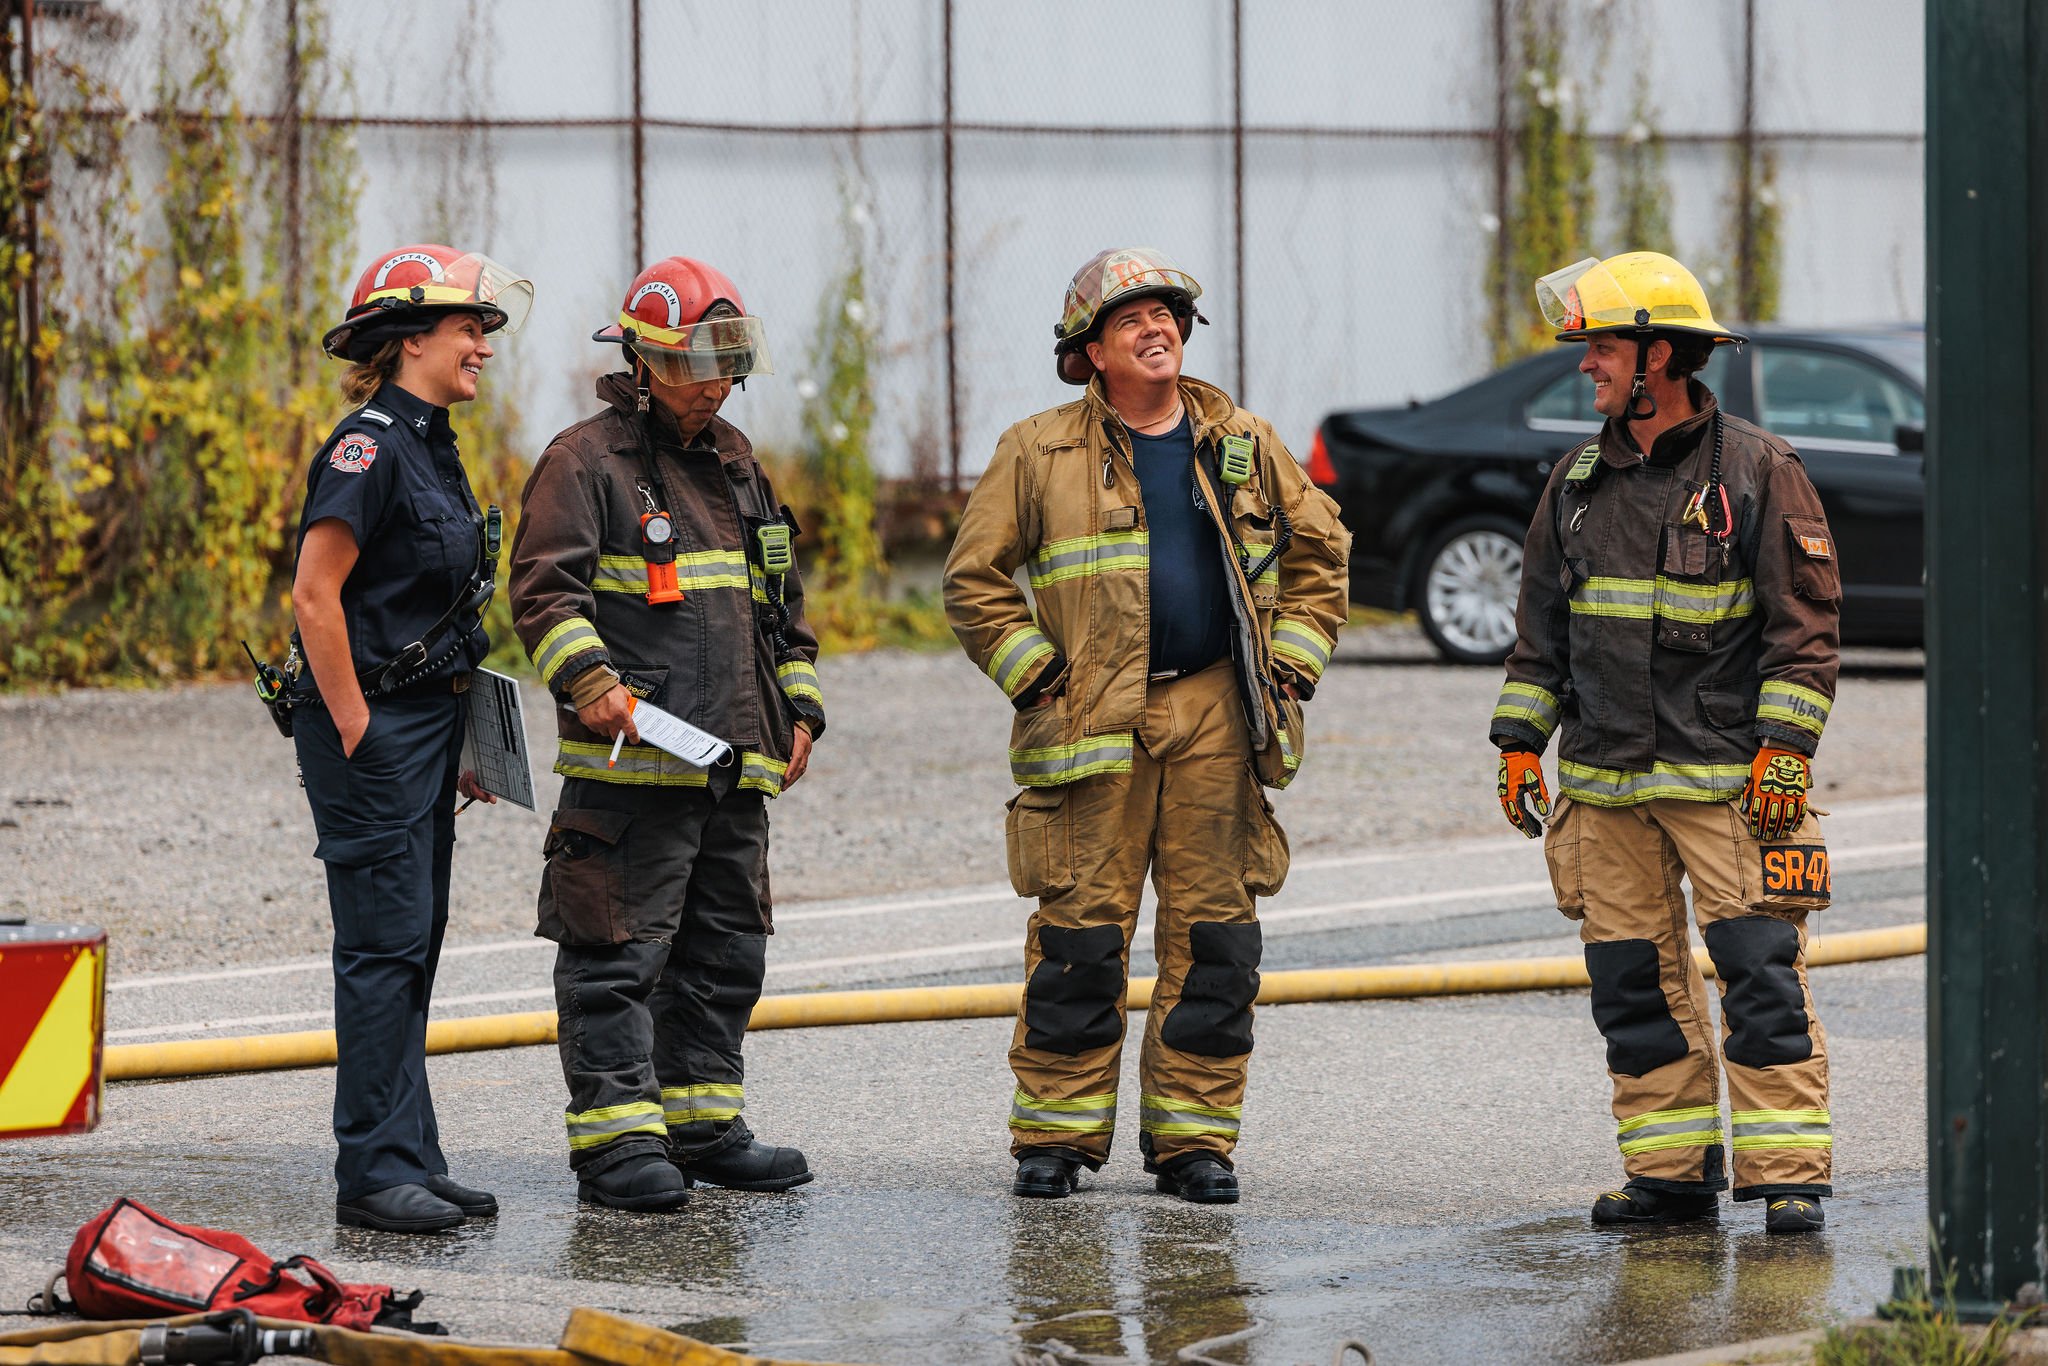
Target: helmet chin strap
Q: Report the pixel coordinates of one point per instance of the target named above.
(1639, 390)
(643, 397)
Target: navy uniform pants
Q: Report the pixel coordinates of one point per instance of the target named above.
(658, 898)
(386, 821)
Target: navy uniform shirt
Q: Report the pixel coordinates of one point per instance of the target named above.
(1190, 597)
(391, 472)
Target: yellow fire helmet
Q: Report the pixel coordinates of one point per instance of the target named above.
(1636, 292)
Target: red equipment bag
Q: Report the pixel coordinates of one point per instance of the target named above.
(130, 1262)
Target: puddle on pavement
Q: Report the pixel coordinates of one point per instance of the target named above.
(847, 1274)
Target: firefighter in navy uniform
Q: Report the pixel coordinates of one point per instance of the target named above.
(1678, 618)
(395, 564)
(653, 563)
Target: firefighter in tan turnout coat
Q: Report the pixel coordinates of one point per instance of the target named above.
(1678, 620)
(1187, 584)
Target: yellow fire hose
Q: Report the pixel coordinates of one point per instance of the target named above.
(591, 1338)
(315, 1047)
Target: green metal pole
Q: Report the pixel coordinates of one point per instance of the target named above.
(1987, 674)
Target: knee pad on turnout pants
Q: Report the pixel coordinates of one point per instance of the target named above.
(1070, 1003)
(1213, 1016)
(1757, 957)
(1630, 1008)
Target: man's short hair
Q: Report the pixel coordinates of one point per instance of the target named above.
(1689, 354)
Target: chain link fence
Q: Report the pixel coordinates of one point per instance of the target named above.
(1340, 177)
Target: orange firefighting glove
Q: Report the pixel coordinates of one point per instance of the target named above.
(1775, 800)
(1524, 800)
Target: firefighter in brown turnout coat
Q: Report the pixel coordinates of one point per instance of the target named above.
(652, 563)
(1678, 623)
(1187, 583)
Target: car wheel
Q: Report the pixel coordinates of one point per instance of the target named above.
(1471, 577)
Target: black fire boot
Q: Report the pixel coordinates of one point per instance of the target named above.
(1640, 1204)
(1198, 1179)
(1046, 1174)
(1794, 1214)
(739, 1161)
(645, 1181)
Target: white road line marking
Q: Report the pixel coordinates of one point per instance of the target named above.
(993, 895)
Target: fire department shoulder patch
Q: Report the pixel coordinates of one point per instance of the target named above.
(1798, 870)
(353, 453)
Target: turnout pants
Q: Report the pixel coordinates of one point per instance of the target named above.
(658, 898)
(1190, 811)
(386, 821)
(1618, 869)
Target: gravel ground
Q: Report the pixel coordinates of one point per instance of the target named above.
(173, 818)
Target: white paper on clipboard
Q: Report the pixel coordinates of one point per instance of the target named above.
(494, 739)
(667, 731)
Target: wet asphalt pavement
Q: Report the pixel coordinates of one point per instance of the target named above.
(1416, 1173)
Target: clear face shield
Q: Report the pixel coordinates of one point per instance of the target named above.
(1585, 295)
(716, 348)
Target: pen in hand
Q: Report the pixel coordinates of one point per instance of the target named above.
(618, 742)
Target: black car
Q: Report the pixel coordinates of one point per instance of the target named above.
(1438, 496)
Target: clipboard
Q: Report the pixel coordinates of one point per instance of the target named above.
(494, 739)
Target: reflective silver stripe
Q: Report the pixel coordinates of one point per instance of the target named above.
(1619, 787)
(1694, 1127)
(1010, 665)
(1157, 1115)
(1057, 764)
(1529, 704)
(379, 416)
(1302, 645)
(1782, 1129)
(567, 640)
(638, 765)
(1082, 1115)
(1609, 597)
(1793, 705)
(1077, 556)
(1704, 602)
(705, 1101)
(799, 679)
(759, 773)
(590, 1128)
(699, 570)
(1254, 551)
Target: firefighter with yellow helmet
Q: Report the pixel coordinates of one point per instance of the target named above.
(1678, 625)
(1187, 584)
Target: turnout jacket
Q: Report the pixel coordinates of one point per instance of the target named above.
(579, 594)
(1671, 655)
(1061, 498)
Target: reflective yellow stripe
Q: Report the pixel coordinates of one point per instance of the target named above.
(1793, 705)
(1672, 599)
(1057, 764)
(1012, 663)
(1529, 704)
(567, 640)
(1303, 645)
(705, 1101)
(1755, 1129)
(1623, 787)
(799, 679)
(638, 765)
(697, 570)
(1254, 551)
(590, 1128)
(1081, 1115)
(759, 773)
(1079, 556)
(1158, 1115)
(1694, 1127)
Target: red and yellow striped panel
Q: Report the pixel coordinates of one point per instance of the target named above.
(53, 981)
